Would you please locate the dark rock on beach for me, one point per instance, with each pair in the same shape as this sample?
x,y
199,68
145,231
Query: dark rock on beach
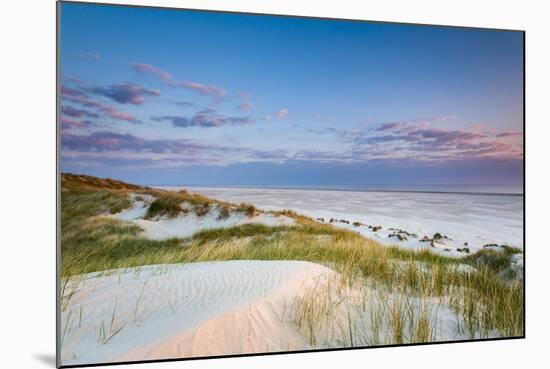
x,y
402,232
399,236
437,237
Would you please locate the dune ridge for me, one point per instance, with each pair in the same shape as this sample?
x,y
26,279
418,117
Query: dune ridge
x,y
188,223
190,310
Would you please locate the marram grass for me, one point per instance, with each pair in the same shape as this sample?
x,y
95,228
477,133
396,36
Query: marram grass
x,y
482,298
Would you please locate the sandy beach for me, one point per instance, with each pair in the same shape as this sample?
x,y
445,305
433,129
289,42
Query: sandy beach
x,y
474,219
202,272
185,310
219,308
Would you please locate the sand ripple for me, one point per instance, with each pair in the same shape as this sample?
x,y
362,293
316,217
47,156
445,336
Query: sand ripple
x,y
184,310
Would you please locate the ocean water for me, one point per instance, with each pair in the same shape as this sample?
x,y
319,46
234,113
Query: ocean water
x,y
482,189
472,215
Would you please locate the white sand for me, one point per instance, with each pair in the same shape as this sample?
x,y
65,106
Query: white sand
x,y
229,307
185,225
185,310
465,218
220,308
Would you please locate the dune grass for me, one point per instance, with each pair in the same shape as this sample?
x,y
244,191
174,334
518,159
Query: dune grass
x,y
248,209
169,204
498,260
225,212
165,205
485,302
81,181
336,314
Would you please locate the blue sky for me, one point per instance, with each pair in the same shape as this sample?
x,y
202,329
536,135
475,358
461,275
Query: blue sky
x,y
164,96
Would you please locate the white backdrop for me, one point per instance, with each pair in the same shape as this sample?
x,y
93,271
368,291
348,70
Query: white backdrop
x,y
27,211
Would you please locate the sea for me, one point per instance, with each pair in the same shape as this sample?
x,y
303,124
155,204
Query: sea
x,y
472,215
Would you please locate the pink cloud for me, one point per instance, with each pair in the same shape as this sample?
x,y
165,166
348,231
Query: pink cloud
x,y
79,97
204,118
510,134
124,93
151,69
166,77
282,114
77,113
203,89
421,141
246,106
70,123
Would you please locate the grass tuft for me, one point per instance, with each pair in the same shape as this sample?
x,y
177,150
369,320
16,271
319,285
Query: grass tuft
x,y
168,205
247,209
225,212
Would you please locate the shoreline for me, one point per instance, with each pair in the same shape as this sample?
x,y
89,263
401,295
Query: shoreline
x,y
469,221
196,275
172,187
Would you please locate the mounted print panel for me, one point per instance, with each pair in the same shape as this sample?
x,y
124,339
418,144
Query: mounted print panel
x,y
236,184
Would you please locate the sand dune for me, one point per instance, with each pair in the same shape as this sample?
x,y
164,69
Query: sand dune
x,y
185,310
231,307
236,307
186,225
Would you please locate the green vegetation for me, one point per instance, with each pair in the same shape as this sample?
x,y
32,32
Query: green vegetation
x,y
224,212
171,204
202,209
498,260
484,300
79,181
248,209
80,204
168,204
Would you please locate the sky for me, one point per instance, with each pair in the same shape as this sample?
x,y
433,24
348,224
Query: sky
x,y
159,96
